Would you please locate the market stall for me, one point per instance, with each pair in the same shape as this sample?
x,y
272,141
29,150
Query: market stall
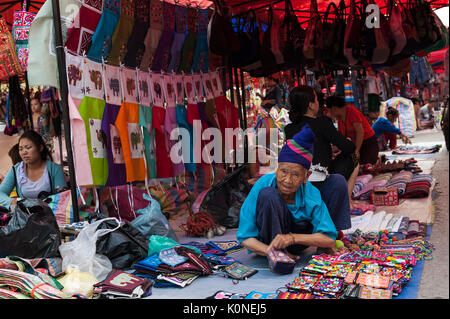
x,y
125,76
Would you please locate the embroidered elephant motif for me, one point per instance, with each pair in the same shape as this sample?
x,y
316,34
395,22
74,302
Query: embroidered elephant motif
x,y
117,145
115,86
169,90
143,87
188,88
74,74
131,86
209,86
158,91
135,140
96,78
216,86
101,136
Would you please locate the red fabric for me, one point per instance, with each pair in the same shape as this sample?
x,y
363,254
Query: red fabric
x,y
347,129
391,138
228,116
163,162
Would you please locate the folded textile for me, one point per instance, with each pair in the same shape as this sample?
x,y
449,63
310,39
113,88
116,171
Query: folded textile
x,y
122,284
226,246
170,257
418,188
417,149
364,193
385,176
360,182
205,249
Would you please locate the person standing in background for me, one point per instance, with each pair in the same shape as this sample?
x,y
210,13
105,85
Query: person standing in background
x,y
273,96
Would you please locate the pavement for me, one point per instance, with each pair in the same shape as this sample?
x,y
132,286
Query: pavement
x,y
434,283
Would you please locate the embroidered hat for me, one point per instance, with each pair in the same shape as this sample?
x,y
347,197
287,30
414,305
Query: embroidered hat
x,y
299,149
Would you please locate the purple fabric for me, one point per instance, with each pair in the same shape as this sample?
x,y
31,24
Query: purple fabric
x,y
118,173
170,123
203,116
305,139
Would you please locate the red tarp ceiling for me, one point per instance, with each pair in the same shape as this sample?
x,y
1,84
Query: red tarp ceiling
x,y
301,6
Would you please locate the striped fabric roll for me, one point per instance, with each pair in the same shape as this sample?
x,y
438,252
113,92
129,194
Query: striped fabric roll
x,y
419,186
348,90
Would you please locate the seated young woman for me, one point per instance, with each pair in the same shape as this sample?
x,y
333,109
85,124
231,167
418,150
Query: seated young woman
x,y
283,210
329,175
386,132
353,124
35,176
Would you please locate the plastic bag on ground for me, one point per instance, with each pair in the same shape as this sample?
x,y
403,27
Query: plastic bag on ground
x,y
151,221
81,252
32,231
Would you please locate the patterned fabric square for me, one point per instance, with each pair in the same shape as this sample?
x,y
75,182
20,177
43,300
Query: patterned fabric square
x,y
9,63
129,85
113,90
93,80
75,75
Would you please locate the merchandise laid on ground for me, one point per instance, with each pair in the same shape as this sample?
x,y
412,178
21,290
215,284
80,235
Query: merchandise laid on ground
x,y
135,185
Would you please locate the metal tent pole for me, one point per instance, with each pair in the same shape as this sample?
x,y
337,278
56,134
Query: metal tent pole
x,y
244,115
64,92
27,89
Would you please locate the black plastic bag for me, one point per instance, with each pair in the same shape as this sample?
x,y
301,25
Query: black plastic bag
x,y
225,199
124,247
32,231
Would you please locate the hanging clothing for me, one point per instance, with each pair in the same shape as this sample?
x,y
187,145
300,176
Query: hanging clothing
x,y
189,42
187,144
122,33
102,38
79,35
178,41
162,54
114,150
127,124
170,123
145,120
164,167
81,160
91,111
200,58
42,64
154,33
20,32
136,46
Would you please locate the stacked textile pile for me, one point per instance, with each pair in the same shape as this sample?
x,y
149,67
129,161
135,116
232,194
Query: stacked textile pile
x,y
419,186
400,181
180,265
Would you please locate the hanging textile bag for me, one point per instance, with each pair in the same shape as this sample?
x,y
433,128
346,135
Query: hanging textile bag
x,y
267,57
443,40
333,35
366,41
312,47
20,31
32,231
9,63
253,32
423,18
412,39
352,33
222,38
383,41
292,39
396,28
244,56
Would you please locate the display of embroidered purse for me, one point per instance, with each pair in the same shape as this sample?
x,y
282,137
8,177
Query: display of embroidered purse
x,y
171,258
239,272
374,293
280,262
261,295
304,282
384,196
372,280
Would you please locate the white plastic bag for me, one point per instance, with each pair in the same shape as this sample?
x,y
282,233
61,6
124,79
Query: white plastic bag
x,y
81,252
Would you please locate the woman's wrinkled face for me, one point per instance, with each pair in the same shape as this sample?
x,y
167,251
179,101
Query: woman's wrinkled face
x,y
290,177
28,151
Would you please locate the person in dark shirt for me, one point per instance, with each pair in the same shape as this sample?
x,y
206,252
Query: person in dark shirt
x,y
274,94
325,176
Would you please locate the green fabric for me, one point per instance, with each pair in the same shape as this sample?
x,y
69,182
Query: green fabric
x,y
158,243
42,65
188,53
120,39
145,119
91,110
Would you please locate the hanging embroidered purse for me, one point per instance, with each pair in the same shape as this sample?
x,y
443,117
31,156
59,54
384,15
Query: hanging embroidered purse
x,y
384,196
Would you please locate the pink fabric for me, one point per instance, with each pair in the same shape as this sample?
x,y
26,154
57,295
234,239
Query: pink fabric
x,y
81,160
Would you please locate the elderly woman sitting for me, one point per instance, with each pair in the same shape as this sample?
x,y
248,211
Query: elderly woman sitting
x,y
285,211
